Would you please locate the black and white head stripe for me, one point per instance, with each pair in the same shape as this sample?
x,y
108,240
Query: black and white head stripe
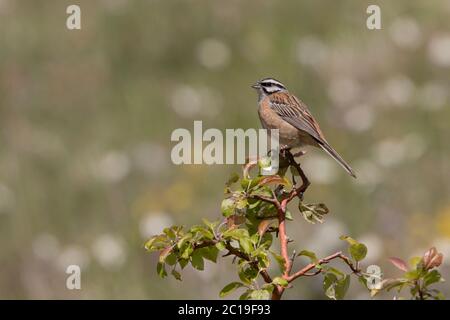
x,y
270,85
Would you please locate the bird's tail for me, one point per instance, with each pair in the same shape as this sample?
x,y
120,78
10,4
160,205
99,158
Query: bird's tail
x,y
328,149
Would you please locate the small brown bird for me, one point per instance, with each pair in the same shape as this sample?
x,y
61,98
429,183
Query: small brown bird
x,y
279,109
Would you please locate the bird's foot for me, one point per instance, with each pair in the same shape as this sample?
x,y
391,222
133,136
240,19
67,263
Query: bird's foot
x,y
299,154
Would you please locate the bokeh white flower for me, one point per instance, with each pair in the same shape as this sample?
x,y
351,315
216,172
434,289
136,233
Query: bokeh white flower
x,y
112,167
109,251
153,223
213,53
405,32
439,50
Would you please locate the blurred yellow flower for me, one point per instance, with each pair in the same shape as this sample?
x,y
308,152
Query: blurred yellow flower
x,y
443,221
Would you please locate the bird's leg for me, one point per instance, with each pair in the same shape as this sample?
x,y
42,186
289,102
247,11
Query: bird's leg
x,y
299,154
305,182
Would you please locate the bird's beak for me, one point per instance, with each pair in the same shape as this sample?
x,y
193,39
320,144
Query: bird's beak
x,y
256,86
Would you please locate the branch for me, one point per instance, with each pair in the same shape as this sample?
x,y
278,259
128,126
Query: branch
x,y
233,251
309,267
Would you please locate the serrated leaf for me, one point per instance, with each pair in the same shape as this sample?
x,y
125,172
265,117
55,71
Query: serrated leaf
x,y
183,262
229,288
197,260
171,259
210,253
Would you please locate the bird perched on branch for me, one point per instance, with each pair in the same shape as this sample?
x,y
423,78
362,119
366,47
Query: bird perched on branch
x,y
279,109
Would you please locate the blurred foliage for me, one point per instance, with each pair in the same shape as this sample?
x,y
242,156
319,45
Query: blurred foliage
x,y
86,118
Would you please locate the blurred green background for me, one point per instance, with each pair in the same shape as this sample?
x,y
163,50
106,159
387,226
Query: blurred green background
x,y
86,118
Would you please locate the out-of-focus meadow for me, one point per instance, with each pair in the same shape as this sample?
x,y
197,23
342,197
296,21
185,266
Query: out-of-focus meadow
x,y
86,118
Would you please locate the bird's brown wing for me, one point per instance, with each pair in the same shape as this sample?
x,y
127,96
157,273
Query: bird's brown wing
x,y
296,113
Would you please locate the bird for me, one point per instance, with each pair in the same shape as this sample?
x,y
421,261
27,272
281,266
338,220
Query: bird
x,y
280,109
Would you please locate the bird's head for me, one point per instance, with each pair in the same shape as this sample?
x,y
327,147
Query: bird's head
x,y
268,86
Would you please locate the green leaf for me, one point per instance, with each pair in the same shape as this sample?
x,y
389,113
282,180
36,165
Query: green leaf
x,y
210,225
161,270
184,239
279,259
197,260
350,240
358,251
183,262
342,286
210,253
236,234
201,230
157,243
313,212
246,244
246,295
334,287
241,203
186,251
245,183
432,277
311,255
176,274
229,288
414,261
260,295
247,274
228,206
280,281
220,246
171,259
288,215
170,232
412,275
232,179
329,283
